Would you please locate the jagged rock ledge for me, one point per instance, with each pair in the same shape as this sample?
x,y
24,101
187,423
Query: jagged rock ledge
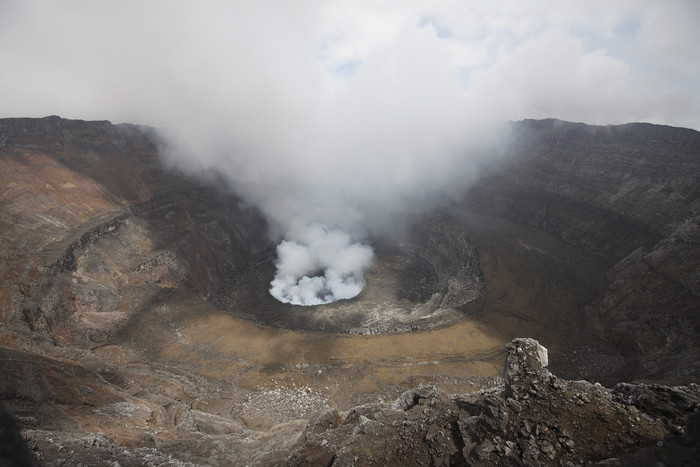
x,y
66,262
534,419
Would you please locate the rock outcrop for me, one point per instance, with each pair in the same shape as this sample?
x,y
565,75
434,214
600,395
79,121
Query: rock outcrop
x,y
534,419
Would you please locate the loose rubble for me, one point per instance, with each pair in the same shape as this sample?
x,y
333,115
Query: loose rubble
x,y
94,449
282,404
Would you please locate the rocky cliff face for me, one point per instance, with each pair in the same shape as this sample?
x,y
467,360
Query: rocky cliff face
x,y
628,195
90,216
136,322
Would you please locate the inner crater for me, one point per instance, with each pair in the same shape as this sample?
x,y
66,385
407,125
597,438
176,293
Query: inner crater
x,y
417,281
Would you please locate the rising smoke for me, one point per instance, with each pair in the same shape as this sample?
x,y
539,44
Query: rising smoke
x,y
322,266
329,159
338,119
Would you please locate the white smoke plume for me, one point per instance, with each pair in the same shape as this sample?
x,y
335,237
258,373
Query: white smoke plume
x,y
323,265
348,114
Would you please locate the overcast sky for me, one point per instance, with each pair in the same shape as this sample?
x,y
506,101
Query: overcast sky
x,y
347,100
143,61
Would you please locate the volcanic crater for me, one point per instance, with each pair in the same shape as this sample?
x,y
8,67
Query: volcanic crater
x,y
135,298
417,281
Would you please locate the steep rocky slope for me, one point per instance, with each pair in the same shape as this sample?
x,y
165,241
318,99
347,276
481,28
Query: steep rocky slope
x,y
136,320
630,196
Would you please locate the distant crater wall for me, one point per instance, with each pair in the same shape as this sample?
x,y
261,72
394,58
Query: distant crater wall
x,y
607,189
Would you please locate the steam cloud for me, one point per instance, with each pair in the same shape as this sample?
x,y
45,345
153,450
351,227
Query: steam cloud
x,y
322,267
346,114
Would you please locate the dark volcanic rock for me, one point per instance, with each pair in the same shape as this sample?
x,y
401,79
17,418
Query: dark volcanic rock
x,y
675,404
535,419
